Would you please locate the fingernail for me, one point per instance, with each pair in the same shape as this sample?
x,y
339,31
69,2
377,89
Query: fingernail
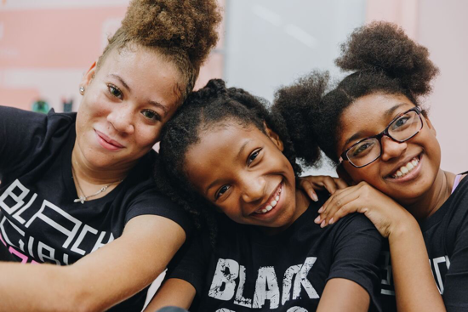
x,y
314,197
322,224
317,220
331,221
320,210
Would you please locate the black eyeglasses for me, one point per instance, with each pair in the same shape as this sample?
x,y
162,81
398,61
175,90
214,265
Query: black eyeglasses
x,y
400,129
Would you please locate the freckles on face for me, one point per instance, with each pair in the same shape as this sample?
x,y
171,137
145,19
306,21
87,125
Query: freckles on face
x,y
404,170
241,171
126,103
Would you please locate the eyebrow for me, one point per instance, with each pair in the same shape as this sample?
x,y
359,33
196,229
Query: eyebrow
x,y
154,103
121,81
387,114
241,150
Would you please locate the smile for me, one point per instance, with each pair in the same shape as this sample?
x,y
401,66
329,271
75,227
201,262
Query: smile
x,y
405,169
107,142
273,201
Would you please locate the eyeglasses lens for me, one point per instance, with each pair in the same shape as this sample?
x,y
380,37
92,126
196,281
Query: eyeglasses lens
x,y
400,130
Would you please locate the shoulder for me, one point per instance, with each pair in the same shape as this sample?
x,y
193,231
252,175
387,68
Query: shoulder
x,y
142,196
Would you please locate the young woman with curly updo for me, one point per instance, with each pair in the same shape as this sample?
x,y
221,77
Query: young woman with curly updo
x,y
77,193
373,127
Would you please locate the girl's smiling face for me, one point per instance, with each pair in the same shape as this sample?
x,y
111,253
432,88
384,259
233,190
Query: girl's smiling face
x,y
125,104
244,173
405,171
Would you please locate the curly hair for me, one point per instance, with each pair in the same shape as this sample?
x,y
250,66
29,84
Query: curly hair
x,y
206,109
384,60
182,31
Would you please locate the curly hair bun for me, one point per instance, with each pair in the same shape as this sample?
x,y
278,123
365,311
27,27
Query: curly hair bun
x,y
188,25
382,46
295,103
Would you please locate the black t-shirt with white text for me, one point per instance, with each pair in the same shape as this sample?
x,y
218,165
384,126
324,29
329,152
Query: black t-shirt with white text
x,y
446,237
249,270
39,220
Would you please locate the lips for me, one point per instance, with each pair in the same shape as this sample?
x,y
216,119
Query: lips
x,y
107,142
271,202
405,168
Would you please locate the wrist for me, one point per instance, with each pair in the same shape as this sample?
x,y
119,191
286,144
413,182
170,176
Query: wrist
x,y
404,226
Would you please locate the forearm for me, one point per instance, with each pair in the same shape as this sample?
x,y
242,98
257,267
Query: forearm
x,y
415,287
174,292
38,288
343,295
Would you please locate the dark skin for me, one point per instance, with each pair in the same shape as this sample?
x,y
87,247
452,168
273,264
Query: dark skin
x,y
404,185
248,173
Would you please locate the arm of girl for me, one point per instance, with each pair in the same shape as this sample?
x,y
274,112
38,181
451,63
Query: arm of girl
x,y
414,284
352,297
99,280
174,292
311,184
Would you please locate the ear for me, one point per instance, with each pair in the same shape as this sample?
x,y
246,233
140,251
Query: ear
x,y
274,137
430,125
88,76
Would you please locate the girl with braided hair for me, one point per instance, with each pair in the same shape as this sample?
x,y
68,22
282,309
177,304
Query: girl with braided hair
x,y
77,193
373,127
232,163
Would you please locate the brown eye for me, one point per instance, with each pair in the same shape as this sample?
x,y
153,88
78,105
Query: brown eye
x,y
114,91
148,113
253,156
223,189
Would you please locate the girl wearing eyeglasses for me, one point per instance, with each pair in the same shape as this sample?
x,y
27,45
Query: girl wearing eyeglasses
x,y
373,127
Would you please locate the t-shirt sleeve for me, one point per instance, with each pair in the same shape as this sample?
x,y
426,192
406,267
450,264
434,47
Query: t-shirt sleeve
x,y
21,133
150,202
456,279
357,245
190,263
455,284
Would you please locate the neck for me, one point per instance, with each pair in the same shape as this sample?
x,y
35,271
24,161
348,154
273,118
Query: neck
x,y
86,172
428,203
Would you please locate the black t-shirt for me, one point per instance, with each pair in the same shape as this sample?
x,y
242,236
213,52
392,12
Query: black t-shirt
x,y
446,236
39,220
249,270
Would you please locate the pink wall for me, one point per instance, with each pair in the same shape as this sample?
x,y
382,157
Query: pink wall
x,y
441,27
46,46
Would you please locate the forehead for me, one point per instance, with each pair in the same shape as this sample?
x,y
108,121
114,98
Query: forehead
x,y
147,73
369,115
219,153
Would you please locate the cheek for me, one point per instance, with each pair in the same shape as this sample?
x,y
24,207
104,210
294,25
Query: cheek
x,y
359,175
146,137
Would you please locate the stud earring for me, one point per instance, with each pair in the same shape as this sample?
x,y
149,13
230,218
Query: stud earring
x,y
82,89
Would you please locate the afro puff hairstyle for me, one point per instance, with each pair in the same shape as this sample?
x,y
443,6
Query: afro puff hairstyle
x,y
383,60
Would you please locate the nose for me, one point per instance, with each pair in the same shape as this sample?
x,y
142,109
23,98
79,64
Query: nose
x,y
391,148
121,118
253,189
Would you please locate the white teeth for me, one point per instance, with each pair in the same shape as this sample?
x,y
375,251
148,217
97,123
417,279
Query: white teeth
x,y
270,205
406,168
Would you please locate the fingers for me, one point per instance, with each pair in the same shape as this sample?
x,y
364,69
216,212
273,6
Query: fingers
x,y
309,189
336,202
341,184
310,184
